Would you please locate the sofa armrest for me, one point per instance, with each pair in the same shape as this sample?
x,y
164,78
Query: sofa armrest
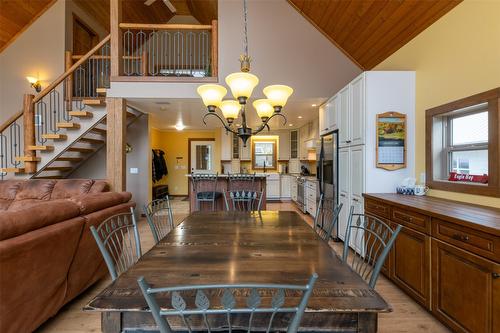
x,y
89,203
15,223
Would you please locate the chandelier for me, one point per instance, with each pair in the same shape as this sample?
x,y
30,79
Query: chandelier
x,y
242,84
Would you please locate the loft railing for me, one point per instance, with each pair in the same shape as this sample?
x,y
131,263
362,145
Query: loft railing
x,y
169,50
42,116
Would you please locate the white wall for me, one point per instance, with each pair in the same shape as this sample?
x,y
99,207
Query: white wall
x,y
284,46
140,157
38,50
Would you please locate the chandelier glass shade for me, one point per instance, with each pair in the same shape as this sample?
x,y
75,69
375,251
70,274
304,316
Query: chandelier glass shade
x,y
242,85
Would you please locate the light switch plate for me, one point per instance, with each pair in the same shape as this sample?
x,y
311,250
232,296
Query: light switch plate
x,y
134,171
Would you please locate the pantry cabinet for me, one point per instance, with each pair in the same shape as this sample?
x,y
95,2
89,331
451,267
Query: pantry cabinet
x,y
286,187
284,146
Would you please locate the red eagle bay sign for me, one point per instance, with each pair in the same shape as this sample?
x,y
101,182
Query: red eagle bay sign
x,y
461,177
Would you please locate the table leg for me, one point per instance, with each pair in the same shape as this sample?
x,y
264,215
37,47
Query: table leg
x,y
367,322
111,322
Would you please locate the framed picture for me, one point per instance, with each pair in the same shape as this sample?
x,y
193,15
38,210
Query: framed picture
x,y
391,141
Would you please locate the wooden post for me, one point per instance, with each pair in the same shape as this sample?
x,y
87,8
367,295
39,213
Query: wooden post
x,y
116,37
215,49
144,63
69,81
29,132
115,143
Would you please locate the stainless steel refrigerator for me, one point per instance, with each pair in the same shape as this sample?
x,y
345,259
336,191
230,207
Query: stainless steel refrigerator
x,y
327,167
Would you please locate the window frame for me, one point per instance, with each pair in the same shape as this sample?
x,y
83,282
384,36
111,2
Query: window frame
x,y
492,100
275,148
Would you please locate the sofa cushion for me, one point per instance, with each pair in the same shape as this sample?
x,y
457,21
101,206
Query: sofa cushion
x,y
67,188
99,186
9,188
4,204
92,202
36,189
24,204
14,223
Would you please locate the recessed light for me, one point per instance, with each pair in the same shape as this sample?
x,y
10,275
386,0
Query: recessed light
x,y
313,105
300,117
163,108
290,125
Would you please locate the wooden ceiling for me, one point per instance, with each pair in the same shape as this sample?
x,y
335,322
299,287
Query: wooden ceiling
x,y
16,15
369,31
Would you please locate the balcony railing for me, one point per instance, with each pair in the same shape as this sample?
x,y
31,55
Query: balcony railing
x,y
169,50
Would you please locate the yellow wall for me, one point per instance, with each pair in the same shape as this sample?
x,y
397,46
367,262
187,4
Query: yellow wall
x,y
175,144
456,57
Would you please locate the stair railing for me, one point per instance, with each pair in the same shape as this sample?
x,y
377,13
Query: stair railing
x,y
42,115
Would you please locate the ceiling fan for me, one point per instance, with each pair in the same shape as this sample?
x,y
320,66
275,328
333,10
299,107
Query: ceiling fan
x,y
167,3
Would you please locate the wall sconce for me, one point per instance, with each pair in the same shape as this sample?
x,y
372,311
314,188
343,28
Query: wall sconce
x,y
34,83
128,148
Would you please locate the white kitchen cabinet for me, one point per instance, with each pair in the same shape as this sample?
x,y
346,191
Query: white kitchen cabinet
x,y
310,197
293,188
225,151
284,146
246,152
357,167
273,187
314,130
322,116
286,187
294,144
303,137
344,192
344,115
357,111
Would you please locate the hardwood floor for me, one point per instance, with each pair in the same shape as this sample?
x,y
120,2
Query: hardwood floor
x,y
407,316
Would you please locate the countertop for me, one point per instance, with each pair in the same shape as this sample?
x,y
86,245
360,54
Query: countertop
x,y
483,218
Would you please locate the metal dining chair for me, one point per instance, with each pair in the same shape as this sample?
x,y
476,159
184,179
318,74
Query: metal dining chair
x,y
118,240
228,306
159,216
376,239
205,188
243,200
326,217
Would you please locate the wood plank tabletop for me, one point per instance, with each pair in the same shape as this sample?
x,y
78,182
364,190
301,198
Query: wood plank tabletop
x,y
241,247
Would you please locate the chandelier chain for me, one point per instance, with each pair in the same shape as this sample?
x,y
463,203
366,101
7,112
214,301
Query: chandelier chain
x,y
245,28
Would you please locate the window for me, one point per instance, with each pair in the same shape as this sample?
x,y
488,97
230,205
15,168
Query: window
x,y
264,154
462,145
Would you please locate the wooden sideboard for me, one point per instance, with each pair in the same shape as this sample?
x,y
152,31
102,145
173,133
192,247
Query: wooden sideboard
x,y
446,257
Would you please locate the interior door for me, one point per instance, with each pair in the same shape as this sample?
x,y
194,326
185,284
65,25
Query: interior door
x,y
202,157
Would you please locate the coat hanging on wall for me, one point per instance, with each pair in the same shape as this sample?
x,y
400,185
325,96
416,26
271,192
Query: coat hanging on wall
x,y
159,165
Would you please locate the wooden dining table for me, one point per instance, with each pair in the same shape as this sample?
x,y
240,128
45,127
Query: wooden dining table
x,y
242,247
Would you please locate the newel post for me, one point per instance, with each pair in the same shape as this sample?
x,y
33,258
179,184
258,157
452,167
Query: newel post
x,y
215,49
116,37
68,59
29,133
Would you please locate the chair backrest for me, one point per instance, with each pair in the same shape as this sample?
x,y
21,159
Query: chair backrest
x,y
228,306
326,217
376,239
241,181
243,200
160,219
118,240
204,182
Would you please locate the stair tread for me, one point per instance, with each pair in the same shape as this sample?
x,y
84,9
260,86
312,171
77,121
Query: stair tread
x,y
81,149
101,90
69,159
42,148
81,114
28,159
92,140
57,168
68,125
54,136
98,130
94,101
48,177
15,170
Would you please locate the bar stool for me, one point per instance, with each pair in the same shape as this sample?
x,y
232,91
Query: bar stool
x,y
205,188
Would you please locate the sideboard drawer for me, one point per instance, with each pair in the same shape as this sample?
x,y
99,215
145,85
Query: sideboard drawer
x,y
377,208
411,219
473,240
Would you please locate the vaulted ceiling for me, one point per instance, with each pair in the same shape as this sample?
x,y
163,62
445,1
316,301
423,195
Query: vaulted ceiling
x,y
16,15
369,31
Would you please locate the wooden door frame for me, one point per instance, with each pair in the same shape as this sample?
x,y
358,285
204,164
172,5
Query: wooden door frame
x,y
79,20
189,149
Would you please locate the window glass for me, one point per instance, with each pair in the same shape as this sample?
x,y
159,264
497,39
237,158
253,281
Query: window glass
x,y
470,129
474,162
264,155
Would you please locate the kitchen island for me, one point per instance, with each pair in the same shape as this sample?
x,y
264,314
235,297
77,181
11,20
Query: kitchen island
x,y
259,185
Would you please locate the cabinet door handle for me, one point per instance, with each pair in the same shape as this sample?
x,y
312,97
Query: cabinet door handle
x,y
354,199
348,141
459,237
342,195
495,275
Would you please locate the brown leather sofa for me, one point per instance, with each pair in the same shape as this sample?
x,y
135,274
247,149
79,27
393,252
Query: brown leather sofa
x,y
47,253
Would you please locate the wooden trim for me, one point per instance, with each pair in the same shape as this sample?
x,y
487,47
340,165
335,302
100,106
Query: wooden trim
x,y
11,119
19,33
215,49
115,143
189,149
275,159
29,132
492,97
54,84
147,26
327,36
165,79
78,20
116,37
